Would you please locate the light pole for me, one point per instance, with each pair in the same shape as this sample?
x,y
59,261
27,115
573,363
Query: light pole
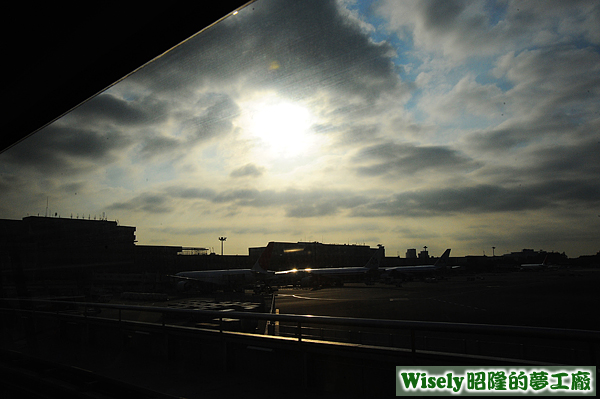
x,y
493,253
222,239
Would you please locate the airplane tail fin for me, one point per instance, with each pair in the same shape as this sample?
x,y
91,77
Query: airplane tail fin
x,y
262,264
443,260
375,262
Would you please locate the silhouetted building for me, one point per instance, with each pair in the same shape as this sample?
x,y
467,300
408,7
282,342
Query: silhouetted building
x,y
302,255
44,242
526,256
45,255
411,253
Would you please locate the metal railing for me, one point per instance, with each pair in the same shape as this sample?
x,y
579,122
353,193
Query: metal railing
x,y
300,323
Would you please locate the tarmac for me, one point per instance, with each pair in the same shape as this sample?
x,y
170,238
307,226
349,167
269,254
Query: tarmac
x,y
554,298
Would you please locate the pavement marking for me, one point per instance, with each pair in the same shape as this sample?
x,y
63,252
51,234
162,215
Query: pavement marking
x,y
307,297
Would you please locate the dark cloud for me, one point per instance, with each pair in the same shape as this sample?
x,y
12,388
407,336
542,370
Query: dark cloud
x,y
296,203
107,108
576,161
72,188
146,202
152,145
570,193
560,174
448,201
442,15
211,117
392,159
218,111
276,44
250,170
315,203
561,69
499,139
312,210
67,149
192,193
487,198
522,133
10,182
245,196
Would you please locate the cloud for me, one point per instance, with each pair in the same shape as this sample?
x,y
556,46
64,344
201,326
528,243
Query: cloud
x,y
145,202
482,116
240,196
482,198
312,210
186,98
11,182
249,169
73,188
392,160
463,29
214,120
467,99
108,108
575,161
191,193
555,79
296,203
317,203
310,40
210,117
59,148
565,172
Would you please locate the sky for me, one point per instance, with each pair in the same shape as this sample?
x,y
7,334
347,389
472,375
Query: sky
x,y
447,124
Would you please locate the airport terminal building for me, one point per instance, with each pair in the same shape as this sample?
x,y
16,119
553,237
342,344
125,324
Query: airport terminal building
x,y
53,241
300,255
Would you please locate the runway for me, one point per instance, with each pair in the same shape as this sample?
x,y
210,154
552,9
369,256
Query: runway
x,y
560,299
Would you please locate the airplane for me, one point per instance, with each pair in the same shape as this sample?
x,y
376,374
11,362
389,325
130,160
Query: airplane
x,y
407,272
535,266
335,276
231,279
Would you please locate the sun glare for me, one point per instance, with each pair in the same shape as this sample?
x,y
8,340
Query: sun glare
x,y
284,128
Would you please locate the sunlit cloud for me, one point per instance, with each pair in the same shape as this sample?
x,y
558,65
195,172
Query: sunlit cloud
x,y
455,123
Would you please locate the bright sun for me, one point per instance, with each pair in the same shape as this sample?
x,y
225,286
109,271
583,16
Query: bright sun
x,y
282,127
